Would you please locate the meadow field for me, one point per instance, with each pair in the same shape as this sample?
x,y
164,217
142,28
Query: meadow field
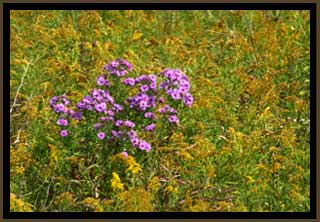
x,y
243,145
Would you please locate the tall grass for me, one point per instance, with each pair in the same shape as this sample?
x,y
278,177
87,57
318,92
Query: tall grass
x,y
243,146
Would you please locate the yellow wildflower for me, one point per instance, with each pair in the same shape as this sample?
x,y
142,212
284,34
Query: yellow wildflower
x,y
273,149
250,179
171,189
116,182
93,203
133,166
154,184
18,205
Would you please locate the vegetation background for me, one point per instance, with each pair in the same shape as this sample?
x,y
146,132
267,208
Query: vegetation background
x,y
244,145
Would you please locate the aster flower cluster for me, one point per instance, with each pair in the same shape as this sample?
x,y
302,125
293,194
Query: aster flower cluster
x,y
177,86
142,101
119,67
170,113
60,105
148,106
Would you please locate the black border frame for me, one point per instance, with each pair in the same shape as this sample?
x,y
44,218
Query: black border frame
x,y
161,6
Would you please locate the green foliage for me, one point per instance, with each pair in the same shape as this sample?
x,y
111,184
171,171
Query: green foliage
x,y
244,145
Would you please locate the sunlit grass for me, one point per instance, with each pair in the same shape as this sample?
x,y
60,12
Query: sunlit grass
x,y
243,146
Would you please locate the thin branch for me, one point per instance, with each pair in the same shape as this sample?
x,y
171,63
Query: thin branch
x,y
21,83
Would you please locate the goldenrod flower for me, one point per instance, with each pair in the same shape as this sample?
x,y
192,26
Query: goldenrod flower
x,y
116,182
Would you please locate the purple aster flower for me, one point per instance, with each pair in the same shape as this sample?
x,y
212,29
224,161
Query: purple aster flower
x,y
117,107
65,110
173,110
87,100
114,64
144,88
153,86
148,148
127,64
65,101
62,122
109,98
184,77
121,133
89,107
144,96
106,118
60,108
101,80
129,124
152,78
140,101
135,141
99,98
161,100
95,93
173,119
105,93
170,74
144,146
122,73
81,105
115,133
143,105
188,99
150,127
153,101
71,112
129,81
100,107
106,83
119,67
119,123
97,125
176,94
141,78
184,90
184,83
164,85
162,110
149,115
64,133
132,134
53,100
166,107
175,83
76,115
110,112
101,135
